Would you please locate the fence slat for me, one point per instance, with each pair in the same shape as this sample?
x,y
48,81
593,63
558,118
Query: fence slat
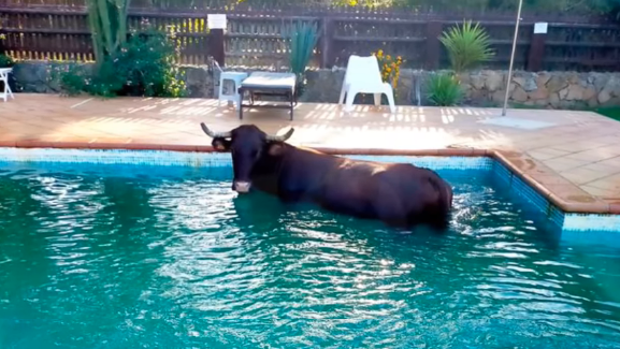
x,y
58,30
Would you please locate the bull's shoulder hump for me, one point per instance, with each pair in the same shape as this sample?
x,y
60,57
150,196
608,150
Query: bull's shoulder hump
x,y
309,153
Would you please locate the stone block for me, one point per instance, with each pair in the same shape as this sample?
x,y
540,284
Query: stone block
x,y
604,97
526,81
557,83
574,93
519,94
494,81
541,93
199,82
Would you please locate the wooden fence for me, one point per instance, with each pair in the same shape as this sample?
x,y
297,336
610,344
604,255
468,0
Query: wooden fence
x,y
35,29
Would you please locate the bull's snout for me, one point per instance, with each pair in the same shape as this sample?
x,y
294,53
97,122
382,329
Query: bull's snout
x,y
241,187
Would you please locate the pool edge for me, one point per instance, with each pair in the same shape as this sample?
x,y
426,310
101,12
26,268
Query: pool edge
x,y
587,205
509,159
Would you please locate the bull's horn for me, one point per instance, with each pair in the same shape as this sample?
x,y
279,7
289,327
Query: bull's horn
x,y
282,138
213,134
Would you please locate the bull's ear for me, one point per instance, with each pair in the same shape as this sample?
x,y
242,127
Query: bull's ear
x,y
221,144
276,149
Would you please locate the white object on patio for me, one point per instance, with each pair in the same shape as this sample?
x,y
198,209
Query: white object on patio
x,y
237,78
521,123
363,76
4,77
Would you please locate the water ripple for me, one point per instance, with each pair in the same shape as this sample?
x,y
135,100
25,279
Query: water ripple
x,y
165,259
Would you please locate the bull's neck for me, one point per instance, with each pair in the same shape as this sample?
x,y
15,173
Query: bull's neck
x,y
271,164
266,171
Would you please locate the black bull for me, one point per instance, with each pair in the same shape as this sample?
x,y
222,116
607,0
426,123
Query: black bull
x,y
401,195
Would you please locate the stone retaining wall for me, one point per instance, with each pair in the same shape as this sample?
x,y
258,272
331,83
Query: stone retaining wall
x,y
483,88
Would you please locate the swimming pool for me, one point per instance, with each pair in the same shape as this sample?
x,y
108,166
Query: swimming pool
x,y
126,256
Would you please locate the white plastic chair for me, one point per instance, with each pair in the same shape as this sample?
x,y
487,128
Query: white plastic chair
x,y
237,78
4,78
363,76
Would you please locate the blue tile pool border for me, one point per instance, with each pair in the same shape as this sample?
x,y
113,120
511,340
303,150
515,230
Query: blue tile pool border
x,y
499,172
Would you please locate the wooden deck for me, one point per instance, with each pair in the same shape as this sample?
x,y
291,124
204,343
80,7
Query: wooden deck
x,y
573,158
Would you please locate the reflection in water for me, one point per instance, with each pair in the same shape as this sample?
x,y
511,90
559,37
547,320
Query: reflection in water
x,y
161,257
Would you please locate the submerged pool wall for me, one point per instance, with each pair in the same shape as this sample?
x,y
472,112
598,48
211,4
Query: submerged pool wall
x,y
499,173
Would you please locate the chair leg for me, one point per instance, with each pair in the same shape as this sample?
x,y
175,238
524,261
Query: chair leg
x,y
221,90
5,94
4,82
240,101
350,98
390,97
377,99
343,91
10,92
292,101
236,94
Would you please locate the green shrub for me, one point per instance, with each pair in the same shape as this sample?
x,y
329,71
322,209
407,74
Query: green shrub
x,y
108,81
444,90
467,46
143,66
73,81
6,61
146,64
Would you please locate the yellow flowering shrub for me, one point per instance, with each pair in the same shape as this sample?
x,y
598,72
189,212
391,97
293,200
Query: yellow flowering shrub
x,y
389,66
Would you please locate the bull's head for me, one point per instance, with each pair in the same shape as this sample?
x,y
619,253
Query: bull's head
x,y
247,144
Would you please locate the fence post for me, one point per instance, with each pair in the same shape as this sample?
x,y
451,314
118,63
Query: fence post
x,y
433,48
327,43
537,47
216,46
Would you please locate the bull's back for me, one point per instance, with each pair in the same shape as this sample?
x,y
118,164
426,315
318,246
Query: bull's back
x,y
346,188
303,175
412,181
377,190
413,195
364,189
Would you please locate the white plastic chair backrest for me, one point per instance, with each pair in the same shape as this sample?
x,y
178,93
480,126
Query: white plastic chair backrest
x,y
4,73
363,71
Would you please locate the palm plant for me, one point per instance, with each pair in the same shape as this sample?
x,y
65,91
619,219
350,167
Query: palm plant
x,y
467,46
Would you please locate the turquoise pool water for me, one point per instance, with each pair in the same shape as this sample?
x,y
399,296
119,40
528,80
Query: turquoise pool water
x,y
154,257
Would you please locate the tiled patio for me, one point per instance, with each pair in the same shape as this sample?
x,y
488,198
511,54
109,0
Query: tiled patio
x,y
571,157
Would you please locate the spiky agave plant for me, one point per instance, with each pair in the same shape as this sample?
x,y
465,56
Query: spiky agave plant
x,y
303,38
467,46
444,90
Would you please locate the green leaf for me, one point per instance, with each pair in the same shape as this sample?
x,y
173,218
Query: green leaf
x,y
444,90
303,39
467,46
